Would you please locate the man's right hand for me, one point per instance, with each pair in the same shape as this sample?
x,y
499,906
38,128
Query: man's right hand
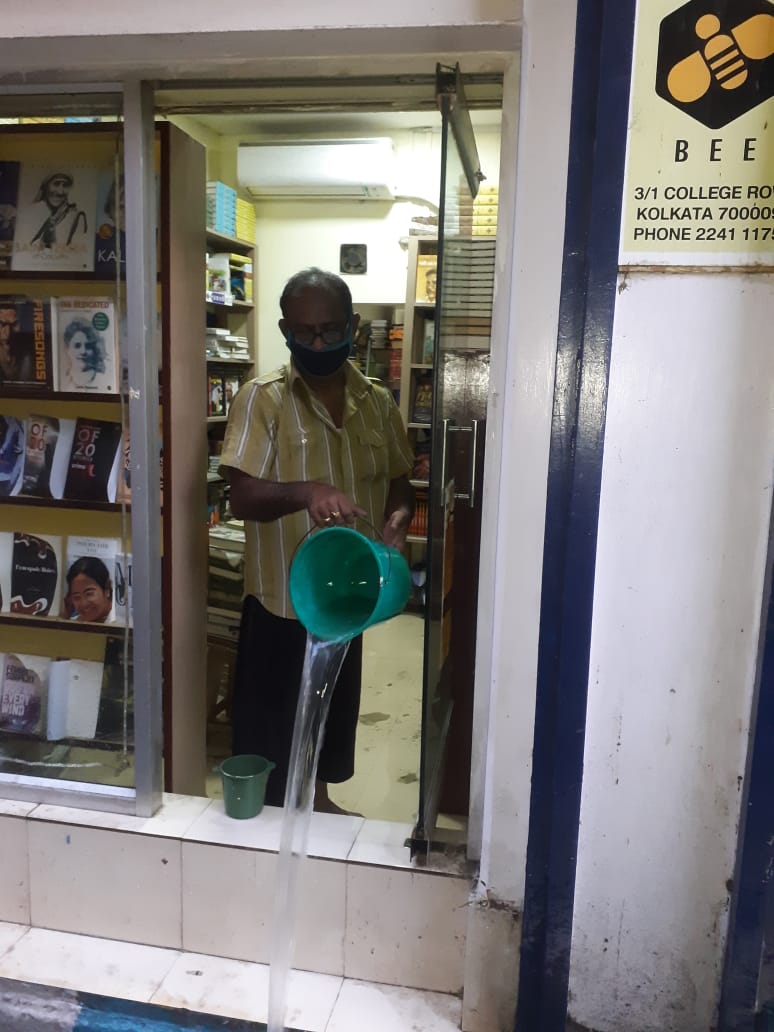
x,y
329,507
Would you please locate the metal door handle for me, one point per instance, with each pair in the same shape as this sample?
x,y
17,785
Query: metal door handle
x,y
469,496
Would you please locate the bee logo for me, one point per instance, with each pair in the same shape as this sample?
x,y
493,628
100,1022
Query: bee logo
x,y
715,58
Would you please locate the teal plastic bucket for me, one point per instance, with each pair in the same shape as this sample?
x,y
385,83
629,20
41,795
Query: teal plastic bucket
x,y
341,582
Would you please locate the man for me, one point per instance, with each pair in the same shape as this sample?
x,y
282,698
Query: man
x,y
312,445
15,352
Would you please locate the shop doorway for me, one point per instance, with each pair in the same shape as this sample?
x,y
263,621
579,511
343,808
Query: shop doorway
x,y
394,716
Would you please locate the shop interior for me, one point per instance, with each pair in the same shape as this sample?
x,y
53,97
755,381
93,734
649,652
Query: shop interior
x,y
377,226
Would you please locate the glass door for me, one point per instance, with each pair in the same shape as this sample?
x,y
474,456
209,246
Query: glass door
x,y
460,179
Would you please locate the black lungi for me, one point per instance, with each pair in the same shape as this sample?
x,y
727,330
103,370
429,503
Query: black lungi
x,y
267,678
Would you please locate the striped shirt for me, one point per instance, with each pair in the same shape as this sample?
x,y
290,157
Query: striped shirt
x,y
279,430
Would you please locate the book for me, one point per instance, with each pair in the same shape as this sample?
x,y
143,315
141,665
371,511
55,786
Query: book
x,y
215,396
87,345
231,385
422,410
74,692
124,470
9,197
6,563
46,449
122,579
55,218
109,236
26,343
11,455
426,279
95,456
23,684
89,588
35,575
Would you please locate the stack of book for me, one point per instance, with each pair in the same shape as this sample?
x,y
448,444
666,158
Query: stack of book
x,y
226,580
221,208
419,523
468,290
245,219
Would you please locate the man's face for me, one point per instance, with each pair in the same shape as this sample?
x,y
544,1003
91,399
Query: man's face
x,y
9,324
312,314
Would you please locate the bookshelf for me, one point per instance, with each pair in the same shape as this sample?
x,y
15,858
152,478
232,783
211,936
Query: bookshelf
x,y
182,549
416,386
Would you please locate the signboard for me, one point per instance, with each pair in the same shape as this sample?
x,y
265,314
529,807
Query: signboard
x,y
699,182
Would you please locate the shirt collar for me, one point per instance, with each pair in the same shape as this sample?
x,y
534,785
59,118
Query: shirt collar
x,y
356,385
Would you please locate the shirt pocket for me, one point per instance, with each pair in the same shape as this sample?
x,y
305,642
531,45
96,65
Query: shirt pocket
x,y
372,454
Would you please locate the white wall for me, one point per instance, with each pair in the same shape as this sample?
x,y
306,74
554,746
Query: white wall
x,y
686,493
293,234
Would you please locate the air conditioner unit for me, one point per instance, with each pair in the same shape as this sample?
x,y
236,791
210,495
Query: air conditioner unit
x,y
329,168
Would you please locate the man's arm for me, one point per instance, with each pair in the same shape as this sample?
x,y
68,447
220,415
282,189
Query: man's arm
x,y
266,500
398,512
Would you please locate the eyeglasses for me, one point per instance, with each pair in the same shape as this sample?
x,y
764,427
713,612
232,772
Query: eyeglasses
x,y
329,335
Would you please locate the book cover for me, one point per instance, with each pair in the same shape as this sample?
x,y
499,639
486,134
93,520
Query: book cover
x,y
427,265
88,592
215,395
11,455
422,411
47,445
23,684
55,218
124,479
35,575
87,345
74,692
9,198
95,456
122,578
109,237
231,385
26,343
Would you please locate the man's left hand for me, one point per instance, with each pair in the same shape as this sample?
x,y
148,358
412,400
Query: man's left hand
x,y
396,528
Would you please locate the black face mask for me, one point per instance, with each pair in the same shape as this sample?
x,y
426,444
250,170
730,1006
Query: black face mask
x,y
319,363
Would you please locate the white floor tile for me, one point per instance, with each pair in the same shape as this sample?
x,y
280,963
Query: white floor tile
x,y
237,989
101,966
382,843
177,814
10,935
384,1008
331,836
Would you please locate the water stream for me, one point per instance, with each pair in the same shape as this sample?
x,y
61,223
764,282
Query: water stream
x,y
322,662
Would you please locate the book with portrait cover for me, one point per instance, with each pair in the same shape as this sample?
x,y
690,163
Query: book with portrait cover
x,y
23,689
46,452
36,577
74,692
92,470
55,218
87,345
88,590
27,358
11,455
9,196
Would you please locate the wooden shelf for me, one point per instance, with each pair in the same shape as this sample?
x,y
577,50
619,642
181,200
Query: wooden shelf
x,y
421,365
64,503
420,483
217,419
416,539
228,243
80,397
419,426
53,623
229,361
